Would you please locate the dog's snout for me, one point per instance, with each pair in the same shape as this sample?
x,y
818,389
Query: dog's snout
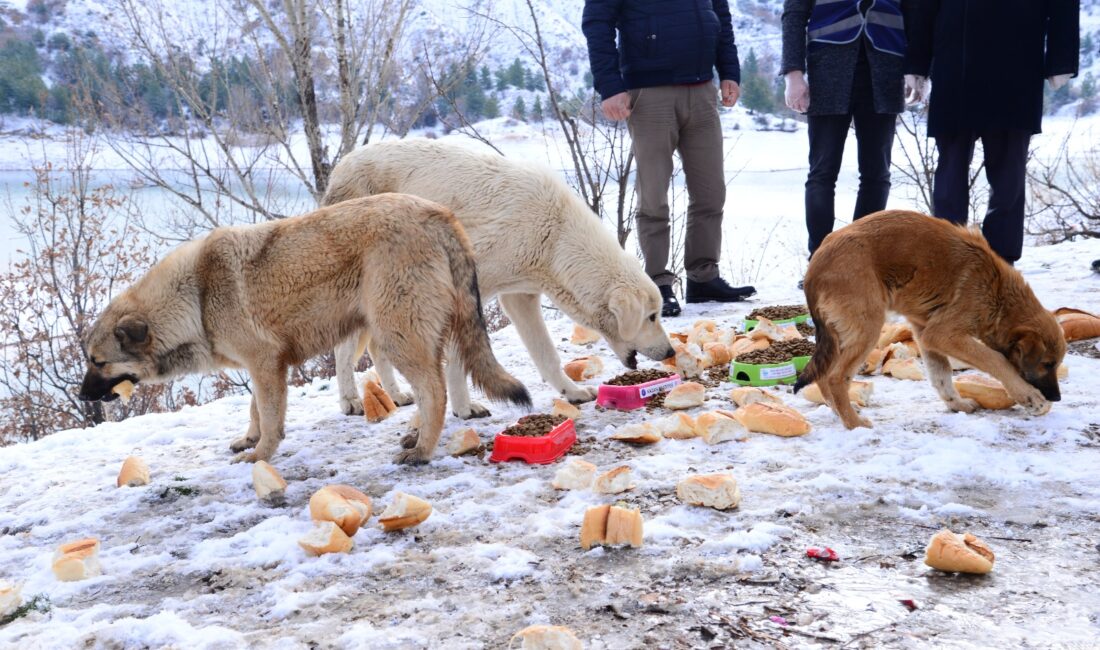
x,y
94,387
1052,393
661,353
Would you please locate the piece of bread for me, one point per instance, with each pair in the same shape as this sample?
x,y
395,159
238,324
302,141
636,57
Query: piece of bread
x,y
715,427
679,426
10,598
405,511
703,336
704,325
566,410
326,537
611,525
873,362
903,369
377,405
959,365
716,354
267,482
124,389
577,474
894,333
859,392
986,391
547,637
343,505
77,560
766,329
464,441
617,480
1062,372
639,433
717,491
134,472
687,395
583,336
677,337
583,368
746,344
687,360
901,350
962,553
1077,324
749,394
772,418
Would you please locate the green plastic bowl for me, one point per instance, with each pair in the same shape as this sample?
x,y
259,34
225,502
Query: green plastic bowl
x,y
767,374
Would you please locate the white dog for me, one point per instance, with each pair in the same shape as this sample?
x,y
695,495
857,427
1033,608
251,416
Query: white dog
x,y
531,236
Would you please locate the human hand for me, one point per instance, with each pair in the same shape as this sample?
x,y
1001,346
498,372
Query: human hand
x,y
797,93
731,92
1058,80
617,107
915,88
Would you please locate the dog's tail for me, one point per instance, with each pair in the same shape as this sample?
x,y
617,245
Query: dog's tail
x,y
468,327
824,352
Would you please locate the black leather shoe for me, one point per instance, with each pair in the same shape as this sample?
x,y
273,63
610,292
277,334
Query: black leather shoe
x,y
800,287
669,306
1096,266
716,290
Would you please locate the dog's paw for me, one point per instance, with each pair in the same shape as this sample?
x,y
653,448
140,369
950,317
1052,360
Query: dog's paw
x,y
409,440
242,443
474,410
961,404
857,422
580,394
401,398
1033,401
351,406
246,457
412,457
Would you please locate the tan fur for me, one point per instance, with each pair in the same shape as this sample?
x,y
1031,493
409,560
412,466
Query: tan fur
x,y
532,236
268,296
961,300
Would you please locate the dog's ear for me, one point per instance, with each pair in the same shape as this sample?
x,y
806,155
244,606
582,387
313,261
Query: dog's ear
x,y
628,307
131,331
1024,343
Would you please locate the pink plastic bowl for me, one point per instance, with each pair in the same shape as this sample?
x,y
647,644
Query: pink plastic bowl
x,y
535,450
627,398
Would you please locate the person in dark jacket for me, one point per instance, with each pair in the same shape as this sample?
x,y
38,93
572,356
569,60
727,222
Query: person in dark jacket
x,y
988,60
659,77
853,52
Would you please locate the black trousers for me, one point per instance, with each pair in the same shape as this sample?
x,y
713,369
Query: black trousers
x,y
874,140
1006,171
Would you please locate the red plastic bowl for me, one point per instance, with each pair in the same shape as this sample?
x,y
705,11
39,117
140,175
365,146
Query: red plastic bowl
x,y
535,450
627,398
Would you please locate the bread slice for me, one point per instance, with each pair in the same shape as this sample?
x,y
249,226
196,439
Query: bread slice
x,y
547,637
859,392
594,526
377,404
10,598
405,511
894,333
687,360
962,553
267,482
577,474
717,491
903,369
715,354
745,344
583,336
583,368
124,389
687,395
873,362
326,537
715,427
679,426
343,505
464,441
624,526
745,395
566,410
772,418
986,391
77,560
617,480
639,433
134,472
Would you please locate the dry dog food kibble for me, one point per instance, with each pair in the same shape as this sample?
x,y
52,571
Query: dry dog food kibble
x,y
531,426
805,329
778,352
778,312
637,377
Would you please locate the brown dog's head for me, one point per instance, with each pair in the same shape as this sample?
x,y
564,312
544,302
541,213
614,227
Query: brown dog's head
x,y
1036,350
118,350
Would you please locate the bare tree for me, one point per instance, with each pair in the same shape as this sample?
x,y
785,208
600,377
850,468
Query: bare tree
x,y
916,167
1065,193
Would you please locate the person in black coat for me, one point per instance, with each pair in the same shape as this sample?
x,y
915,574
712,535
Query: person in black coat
x,y
987,60
853,53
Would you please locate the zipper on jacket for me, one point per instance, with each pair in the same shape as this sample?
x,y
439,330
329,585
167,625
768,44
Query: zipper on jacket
x,y
702,54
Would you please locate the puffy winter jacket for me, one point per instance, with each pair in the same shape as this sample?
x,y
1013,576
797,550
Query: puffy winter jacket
x,y
660,43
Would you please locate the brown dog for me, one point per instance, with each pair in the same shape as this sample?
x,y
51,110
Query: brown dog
x,y
961,299
271,295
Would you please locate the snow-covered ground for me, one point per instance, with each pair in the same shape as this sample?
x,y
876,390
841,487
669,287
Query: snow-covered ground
x,y
194,560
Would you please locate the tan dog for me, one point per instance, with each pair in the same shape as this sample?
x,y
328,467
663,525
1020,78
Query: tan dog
x,y
268,296
961,299
532,236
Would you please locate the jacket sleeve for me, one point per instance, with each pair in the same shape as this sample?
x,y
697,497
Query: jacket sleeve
x,y
729,67
920,30
598,24
796,16
1063,37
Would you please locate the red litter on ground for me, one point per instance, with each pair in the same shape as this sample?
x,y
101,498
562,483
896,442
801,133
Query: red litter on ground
x,y
535,450
822,554
909,603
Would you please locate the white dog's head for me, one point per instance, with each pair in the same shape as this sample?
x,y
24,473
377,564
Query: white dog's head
x,y
633,324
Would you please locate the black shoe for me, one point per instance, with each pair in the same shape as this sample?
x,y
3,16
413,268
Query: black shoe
x,y
800,287
669,306
716,290
1096,265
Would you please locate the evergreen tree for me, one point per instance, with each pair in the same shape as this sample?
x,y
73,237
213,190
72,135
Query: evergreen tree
x,y
515,74
519,109
756,92
492,108
486,78
21,86
536,110
502,79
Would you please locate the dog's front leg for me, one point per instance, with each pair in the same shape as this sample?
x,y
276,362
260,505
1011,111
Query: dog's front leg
x,y
939,374
461,405
523,310
269,385
384,369
350,403
249,440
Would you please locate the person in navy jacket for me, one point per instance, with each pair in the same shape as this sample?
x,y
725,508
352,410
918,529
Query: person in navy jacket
x,y
653,64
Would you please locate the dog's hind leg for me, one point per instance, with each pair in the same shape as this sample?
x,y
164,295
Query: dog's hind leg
x,y
426,378
270,389
523,310
461,404
939,374
249,440
384,369
854,343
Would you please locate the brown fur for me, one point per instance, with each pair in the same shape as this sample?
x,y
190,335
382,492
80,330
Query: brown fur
x,y
961,299
268,296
